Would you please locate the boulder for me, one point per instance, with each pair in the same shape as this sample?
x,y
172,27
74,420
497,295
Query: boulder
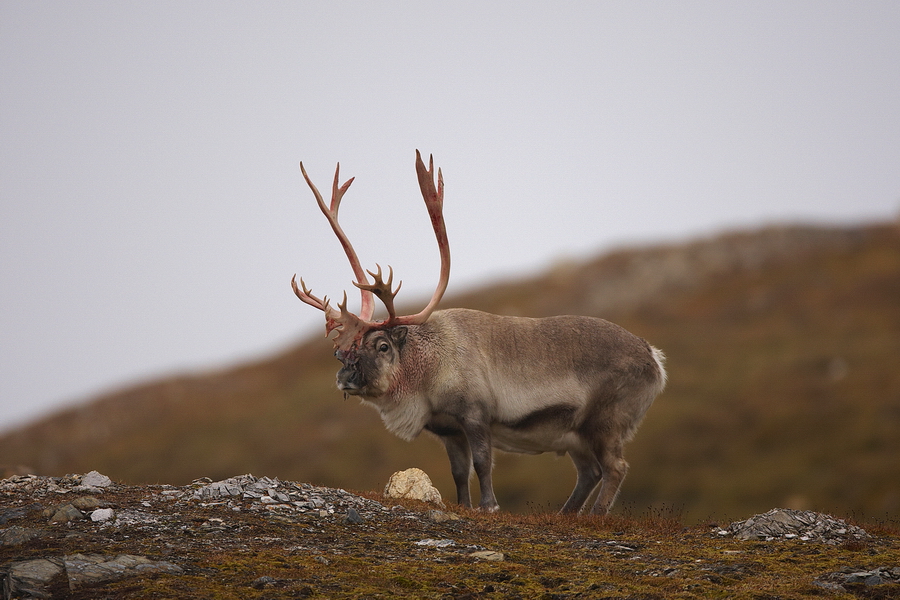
x,y
413,484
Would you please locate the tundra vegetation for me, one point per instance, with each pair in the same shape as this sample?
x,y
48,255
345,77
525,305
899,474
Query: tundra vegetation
x,y
261,538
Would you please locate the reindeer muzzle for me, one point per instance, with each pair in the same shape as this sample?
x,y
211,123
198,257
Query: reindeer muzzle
x,y
349,377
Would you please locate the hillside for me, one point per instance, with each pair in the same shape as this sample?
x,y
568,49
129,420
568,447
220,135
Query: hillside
x,y
783,348
86,538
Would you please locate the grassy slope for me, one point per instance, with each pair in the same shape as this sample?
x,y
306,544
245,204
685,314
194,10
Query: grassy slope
x,y
783,349
787,392
305,554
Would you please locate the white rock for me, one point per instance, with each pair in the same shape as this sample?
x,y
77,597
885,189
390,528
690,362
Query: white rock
x,y
436,543
102,514
414,484
95,479
488,555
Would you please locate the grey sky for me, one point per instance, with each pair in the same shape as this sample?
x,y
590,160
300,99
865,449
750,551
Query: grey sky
x,y
152,212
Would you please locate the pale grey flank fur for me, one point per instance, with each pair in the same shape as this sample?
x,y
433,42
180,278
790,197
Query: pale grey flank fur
x,y
567,384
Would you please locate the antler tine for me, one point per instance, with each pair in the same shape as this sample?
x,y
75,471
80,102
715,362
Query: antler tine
x,y
350,328
367,308
434,202
383,290
338,192
306,296
315,190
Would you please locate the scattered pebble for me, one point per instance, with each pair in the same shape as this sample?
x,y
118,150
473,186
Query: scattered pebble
x,y
353,517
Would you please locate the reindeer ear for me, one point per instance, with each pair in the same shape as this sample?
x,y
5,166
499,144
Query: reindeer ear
x,y
398,334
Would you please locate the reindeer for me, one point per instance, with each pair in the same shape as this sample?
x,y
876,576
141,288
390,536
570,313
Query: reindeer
x,y
565,384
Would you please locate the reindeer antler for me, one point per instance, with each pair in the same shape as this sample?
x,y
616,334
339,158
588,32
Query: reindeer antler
x,y
351,327
434,202
382,289
307,297
331,213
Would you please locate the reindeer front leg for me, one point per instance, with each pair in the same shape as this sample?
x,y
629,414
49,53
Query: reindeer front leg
x,y
479,434
457,446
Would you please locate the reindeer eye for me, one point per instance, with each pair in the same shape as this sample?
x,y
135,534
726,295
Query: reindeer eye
x,y
383,347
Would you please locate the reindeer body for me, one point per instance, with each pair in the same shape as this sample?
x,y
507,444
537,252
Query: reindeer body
x,y
567,384
571,385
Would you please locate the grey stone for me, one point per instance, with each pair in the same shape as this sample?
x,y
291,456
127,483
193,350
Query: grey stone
x,y
17,513
787,518
31,578
12,536
877,576
353,517
439,516
261,582
85,503
90,569
830,586
66,513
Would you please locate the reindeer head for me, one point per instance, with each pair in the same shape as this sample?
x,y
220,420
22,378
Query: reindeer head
x,y
352,328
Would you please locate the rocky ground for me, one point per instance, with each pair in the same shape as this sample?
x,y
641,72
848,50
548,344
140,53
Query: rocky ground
x,y
247,537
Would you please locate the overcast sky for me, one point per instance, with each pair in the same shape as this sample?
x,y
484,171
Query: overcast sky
x,y
152,211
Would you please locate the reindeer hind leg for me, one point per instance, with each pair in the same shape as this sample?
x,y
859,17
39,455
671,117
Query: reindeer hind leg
x,y
614,468
588,469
